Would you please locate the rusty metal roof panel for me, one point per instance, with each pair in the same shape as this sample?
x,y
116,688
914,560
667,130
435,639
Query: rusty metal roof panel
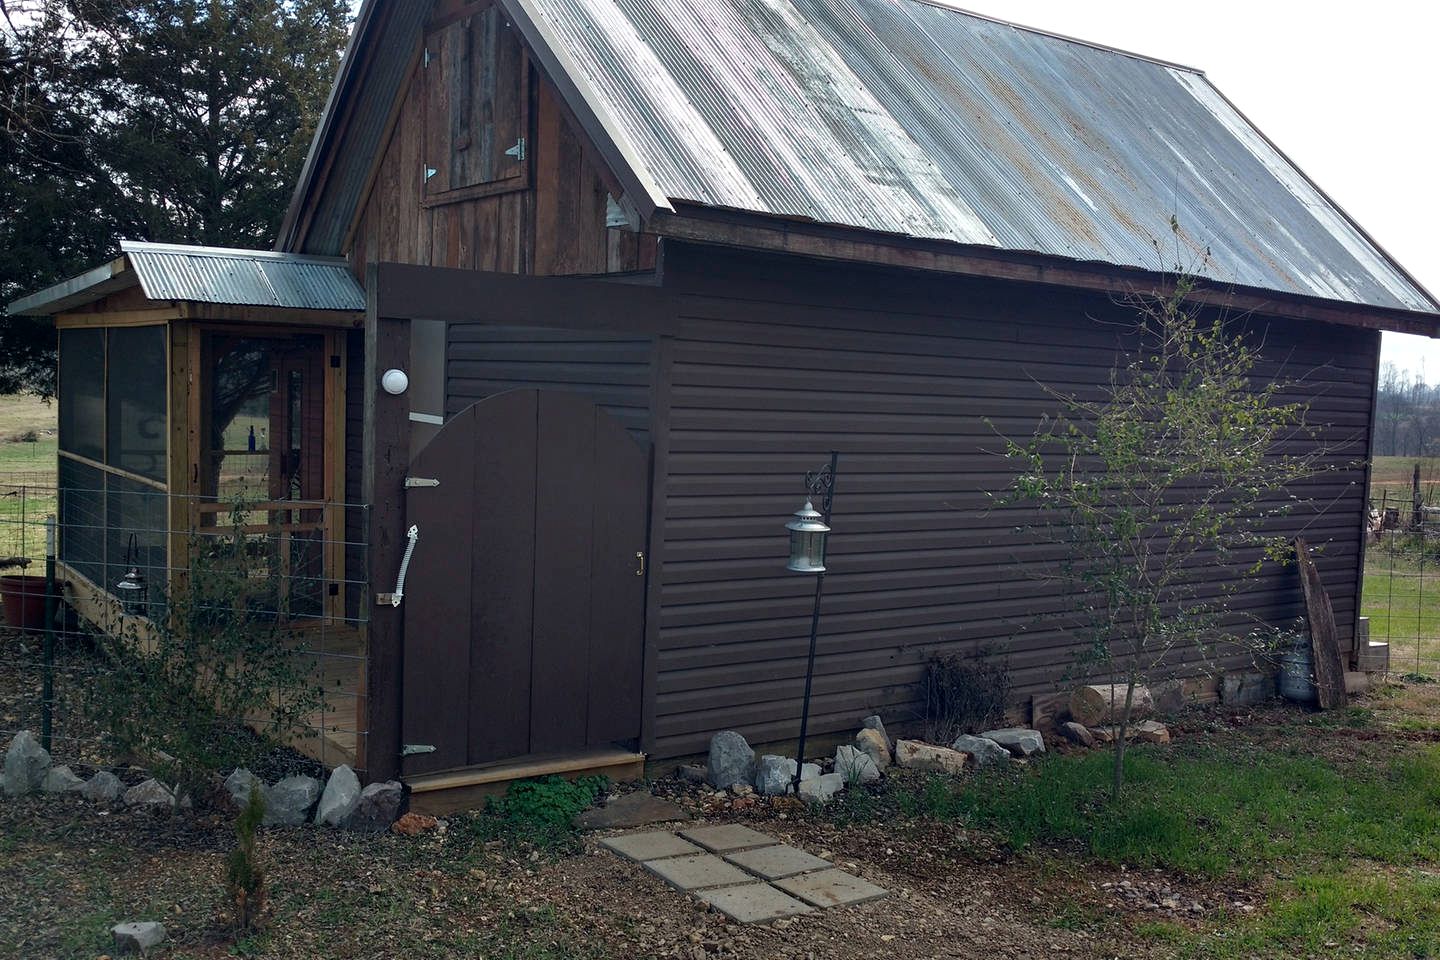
x,y
243,277
906,117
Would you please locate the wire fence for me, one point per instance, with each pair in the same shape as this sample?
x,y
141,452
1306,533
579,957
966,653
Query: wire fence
x,y
1401,594
141,576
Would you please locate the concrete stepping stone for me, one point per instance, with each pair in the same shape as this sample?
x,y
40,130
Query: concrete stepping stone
x,y
728,837
753,903
653,845
697,872
830,888
772,863
632,810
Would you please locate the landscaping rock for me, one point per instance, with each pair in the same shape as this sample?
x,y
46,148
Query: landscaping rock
x,y
1018,740
341,797
151,793
853,766
632,810
288,802
26,763
914,755
731,760
61,779
691,772
1246,689
1077,734
823,787
1150,731
239,785
872,743
984,752
774,775
1169,697
414,824
137,937
874,722
1104,734
104,787
378,807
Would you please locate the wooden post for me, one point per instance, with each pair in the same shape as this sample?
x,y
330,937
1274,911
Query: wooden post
x,y
386,459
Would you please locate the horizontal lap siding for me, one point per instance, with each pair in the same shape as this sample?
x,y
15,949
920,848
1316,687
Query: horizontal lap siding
x,y
761,389
612,371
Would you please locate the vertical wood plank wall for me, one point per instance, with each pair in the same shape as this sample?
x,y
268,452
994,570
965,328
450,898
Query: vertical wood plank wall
x,y
776,362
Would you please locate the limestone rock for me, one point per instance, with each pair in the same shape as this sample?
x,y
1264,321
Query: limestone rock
x,y
1104,734
823,787
854,766
914,755
61,779
1246,689
1077,734
774,775
288,802
873,722
137,937
26,763
151,793
341,796
379,806
1018,740
1150,731
984,752
104,787
1169,697
731,760
239,785
872,743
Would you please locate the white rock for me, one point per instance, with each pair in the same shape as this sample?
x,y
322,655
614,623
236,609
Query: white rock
x,y
151,793
26,763
240,784
341,797
854,766
1018,740
983,751
872,743
288,802
61,779
914,755
137,937
873,722
823,787
774,775
730,761
104,787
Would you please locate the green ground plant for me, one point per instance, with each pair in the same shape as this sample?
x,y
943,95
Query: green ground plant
x,y
244,875
535,813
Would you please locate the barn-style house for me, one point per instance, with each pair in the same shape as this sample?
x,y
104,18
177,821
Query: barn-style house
x,y
642,264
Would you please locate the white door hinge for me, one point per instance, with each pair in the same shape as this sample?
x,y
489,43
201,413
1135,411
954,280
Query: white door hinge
x,y
518,151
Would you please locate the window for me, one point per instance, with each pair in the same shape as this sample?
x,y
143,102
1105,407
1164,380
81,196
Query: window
x,y
476,108
82,393
135,401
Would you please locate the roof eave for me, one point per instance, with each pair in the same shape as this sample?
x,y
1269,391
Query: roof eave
x,y
77,291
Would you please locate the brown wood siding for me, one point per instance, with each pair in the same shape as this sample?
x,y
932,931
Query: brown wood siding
x,y
354,472
776,362
611,370
552,224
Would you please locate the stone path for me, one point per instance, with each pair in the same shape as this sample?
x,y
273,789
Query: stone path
x,y
745,874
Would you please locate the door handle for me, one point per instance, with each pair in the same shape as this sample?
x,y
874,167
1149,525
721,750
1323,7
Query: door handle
x,y
639,563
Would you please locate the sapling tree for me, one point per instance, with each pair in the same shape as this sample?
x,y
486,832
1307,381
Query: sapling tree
x,y
1161,486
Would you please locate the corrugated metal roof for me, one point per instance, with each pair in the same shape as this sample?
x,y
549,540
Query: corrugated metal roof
x,y
904,117
258,278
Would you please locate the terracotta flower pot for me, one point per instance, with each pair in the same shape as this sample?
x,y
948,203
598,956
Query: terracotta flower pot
x,y
24,599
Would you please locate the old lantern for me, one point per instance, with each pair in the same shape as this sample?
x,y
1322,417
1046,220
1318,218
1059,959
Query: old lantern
x,y
132,591
808,533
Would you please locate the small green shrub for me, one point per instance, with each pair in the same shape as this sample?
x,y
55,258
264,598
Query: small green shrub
x,y
537,813
244,877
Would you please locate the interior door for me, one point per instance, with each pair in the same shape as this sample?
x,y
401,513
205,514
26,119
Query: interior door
x,y
525,597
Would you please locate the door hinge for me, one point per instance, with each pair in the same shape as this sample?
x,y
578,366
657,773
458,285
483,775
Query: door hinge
x,y
411,749
412,482
427,59
517,151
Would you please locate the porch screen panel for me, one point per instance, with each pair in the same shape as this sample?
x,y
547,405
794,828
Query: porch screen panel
x,y
135,403
82,393
82,519
138,511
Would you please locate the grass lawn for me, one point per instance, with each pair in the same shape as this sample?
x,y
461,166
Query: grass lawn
x,y
27,459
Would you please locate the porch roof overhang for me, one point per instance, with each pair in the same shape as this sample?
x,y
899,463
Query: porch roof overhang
x,y
220,279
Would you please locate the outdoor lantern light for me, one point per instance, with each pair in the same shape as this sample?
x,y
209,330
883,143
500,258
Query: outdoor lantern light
x,y
807,540
133,592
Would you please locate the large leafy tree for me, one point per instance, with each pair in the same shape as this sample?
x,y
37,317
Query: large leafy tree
x,y
174,120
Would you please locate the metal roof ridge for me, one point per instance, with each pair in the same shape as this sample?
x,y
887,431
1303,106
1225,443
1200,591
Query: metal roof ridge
x,y
1040,31
231,253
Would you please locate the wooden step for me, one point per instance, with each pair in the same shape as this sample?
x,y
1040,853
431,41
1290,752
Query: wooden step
x,y
468,787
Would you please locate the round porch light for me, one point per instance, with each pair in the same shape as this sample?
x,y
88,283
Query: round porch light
x,y
394,381
808,533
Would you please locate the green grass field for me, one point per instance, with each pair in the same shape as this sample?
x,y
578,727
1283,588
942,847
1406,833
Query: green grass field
x,y
27,474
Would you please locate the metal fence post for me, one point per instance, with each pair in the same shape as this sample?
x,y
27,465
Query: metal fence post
x,y
47,694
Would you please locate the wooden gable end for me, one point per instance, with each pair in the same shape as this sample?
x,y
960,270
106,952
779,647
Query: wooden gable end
x,y
485,169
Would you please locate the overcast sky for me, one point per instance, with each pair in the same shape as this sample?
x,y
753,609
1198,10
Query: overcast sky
x,y
1348,91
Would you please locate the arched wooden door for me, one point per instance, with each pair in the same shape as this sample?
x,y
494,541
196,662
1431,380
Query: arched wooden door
x,y
525,597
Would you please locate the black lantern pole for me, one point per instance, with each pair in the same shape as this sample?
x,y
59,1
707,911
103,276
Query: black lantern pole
x,y
808,541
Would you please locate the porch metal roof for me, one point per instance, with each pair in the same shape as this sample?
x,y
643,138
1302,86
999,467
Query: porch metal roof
x,y
165,271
